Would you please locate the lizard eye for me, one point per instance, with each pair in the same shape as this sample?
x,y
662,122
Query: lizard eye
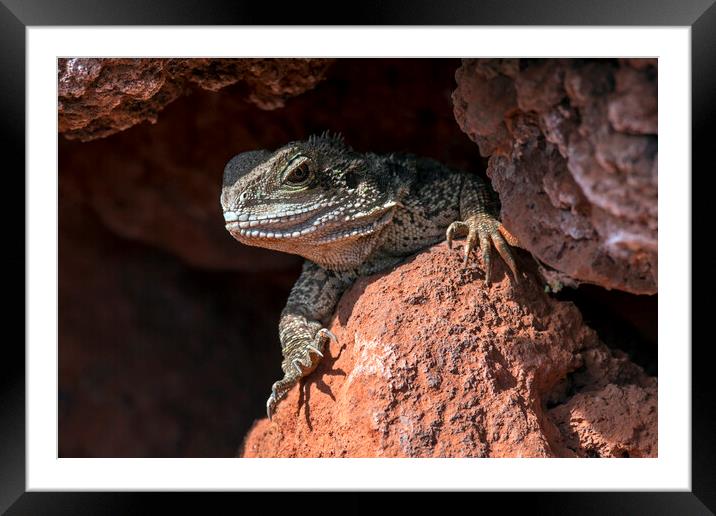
x,y
299,175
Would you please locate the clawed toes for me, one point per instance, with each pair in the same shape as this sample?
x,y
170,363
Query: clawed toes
x,y
488,231
278,391
298,362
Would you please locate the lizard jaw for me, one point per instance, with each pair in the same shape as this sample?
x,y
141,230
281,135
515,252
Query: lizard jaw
x,y
246,219
316,227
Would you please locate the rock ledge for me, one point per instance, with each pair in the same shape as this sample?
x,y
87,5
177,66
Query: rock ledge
x,y
432,363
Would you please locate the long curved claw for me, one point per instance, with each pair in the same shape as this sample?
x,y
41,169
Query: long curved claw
x,y
511,239
314,350
506,254
270,406
297,366
272,401
470,243
486,256
457,227
324,332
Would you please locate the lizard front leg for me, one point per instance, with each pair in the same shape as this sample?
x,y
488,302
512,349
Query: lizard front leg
x,y
479,223
301,328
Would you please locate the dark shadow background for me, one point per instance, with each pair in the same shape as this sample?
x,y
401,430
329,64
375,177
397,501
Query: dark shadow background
x,y
168,339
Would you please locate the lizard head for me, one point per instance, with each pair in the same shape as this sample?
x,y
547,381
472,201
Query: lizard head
x,y
317,198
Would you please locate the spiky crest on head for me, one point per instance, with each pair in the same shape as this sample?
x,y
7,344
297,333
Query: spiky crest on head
x,y
329,137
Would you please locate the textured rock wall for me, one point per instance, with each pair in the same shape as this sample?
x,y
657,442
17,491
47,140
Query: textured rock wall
x,y
573,155
99,97
430,362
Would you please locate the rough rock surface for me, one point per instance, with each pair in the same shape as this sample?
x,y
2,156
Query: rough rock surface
x,y
573,155
99,97
432,363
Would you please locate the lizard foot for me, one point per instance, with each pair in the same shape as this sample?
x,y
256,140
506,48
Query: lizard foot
x,y
299,362
487,230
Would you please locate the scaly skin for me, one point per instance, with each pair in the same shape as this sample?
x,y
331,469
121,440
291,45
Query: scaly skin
x,y
349,214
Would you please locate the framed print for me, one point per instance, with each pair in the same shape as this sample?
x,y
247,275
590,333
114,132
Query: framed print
x,y
405,251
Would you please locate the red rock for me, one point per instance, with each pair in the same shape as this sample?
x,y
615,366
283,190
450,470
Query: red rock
x,y
616,421
573,156
99,97
432,363
539,88
484,105
633,107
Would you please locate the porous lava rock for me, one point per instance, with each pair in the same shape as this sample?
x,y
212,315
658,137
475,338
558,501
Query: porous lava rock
x,y
572,148
431,362
99,97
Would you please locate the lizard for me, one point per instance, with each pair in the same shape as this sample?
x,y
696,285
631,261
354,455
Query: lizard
x,y
349,214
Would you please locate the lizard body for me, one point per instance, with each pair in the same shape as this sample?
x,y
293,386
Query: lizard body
x,y
349,214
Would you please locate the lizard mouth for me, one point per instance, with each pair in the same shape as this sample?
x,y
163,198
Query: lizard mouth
x,y
271,225
327,224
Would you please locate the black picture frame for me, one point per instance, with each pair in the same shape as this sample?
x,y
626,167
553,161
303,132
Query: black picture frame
x,y
17,15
